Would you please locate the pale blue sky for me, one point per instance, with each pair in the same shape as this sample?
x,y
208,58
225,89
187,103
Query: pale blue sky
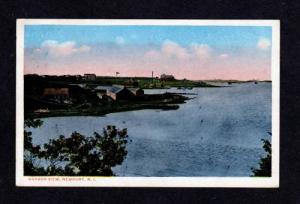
x,y
215,36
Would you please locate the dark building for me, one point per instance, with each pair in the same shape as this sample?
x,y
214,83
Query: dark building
x,y
56,93
101,91
90,77
119,93
166,77
78,77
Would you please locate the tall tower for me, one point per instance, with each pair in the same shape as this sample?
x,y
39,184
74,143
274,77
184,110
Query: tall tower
x,y
152,77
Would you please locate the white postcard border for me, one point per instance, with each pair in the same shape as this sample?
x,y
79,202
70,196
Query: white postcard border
x,y
272,182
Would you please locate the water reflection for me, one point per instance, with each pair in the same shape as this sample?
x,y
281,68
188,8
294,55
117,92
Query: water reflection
x,y
217,133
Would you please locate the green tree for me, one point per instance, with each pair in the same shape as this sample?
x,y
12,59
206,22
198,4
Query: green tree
x,y
265,163
77,155
31,152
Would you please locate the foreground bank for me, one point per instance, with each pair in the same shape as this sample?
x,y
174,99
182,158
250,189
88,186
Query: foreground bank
x,y
166,101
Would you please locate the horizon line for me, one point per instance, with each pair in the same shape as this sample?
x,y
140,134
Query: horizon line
x,y
149,77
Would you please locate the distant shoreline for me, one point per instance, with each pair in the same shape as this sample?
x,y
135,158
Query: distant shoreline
x,y
83,92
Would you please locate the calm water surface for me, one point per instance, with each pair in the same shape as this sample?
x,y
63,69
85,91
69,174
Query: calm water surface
x,y
216,133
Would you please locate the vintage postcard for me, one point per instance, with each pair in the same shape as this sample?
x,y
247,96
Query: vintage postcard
x,y
147,103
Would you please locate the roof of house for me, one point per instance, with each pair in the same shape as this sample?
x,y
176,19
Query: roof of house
x,y
56,91
102,87
115,89
80,85
118,85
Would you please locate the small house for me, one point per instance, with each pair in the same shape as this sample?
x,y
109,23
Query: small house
x,y
101,91
166,77
56,93
137,91
119,93
90,77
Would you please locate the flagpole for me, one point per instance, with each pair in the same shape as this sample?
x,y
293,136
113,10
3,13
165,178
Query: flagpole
x,y
116,77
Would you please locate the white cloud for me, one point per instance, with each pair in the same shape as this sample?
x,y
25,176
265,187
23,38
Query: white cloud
x,y
172,49
202,51
84,48
263,44
56,49
223,56
120,40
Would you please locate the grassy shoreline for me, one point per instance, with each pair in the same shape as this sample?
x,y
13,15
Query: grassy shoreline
x,y
100,112
171,102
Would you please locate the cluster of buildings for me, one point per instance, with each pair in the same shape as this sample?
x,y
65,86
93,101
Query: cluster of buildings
x,y
165,77
115,92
